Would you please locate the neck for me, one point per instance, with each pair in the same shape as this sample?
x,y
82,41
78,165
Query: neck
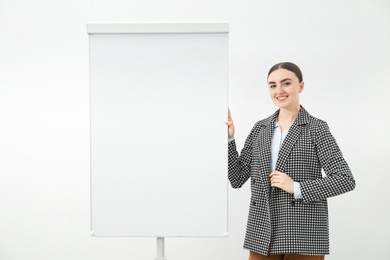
x,y
287,116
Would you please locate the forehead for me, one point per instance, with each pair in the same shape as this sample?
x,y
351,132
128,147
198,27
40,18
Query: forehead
x,y
281,74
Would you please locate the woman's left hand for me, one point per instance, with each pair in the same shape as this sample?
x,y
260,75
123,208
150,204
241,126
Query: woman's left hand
x,y
282,181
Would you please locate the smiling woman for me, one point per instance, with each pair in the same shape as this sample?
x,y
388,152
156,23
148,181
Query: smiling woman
x,y
285,84
284,155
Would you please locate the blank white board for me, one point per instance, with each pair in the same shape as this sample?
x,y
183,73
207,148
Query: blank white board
x,y
158,96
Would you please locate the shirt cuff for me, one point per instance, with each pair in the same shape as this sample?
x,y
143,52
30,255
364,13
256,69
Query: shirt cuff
x,y
297,190
230,139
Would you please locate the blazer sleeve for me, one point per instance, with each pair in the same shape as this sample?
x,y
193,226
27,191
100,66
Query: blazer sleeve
x,y
239,166
339,178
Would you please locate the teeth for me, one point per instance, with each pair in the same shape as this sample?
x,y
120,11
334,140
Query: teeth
x,y
281,98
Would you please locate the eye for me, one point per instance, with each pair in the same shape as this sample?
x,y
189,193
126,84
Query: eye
x,y
288,83
272,86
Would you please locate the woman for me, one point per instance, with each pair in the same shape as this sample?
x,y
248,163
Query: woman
x,y
283,156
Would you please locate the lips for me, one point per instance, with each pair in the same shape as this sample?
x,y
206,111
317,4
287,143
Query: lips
x,y
281,98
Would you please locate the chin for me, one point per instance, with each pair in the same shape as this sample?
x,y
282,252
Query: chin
x,y
281,105
285,106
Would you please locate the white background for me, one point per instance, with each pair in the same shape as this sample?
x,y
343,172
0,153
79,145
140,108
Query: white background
x,y
341,46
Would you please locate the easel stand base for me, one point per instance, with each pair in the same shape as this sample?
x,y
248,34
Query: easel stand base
x,y
160,249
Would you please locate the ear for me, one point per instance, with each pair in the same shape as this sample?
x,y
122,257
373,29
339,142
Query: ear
x,y
301,86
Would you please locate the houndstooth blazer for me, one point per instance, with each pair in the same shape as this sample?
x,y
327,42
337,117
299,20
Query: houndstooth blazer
x,y
278,223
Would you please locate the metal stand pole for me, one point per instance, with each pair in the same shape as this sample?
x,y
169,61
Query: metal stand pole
x,y
160,249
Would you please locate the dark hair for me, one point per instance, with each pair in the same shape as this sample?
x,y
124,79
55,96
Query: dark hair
x,y
288,66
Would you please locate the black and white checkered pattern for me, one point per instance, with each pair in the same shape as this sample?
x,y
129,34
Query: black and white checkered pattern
x,y
278,223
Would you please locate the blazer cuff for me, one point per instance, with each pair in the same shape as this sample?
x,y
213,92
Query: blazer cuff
x,y
297,190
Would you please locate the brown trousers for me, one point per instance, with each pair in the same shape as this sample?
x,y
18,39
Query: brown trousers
x,y
256,256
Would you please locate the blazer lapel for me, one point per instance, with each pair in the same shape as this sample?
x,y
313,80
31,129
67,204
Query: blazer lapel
x,y
288,143
291,138
264,143
265,148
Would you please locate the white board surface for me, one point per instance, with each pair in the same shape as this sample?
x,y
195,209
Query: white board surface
x,y
158,138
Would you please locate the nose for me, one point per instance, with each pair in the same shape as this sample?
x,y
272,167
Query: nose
x,y
279,89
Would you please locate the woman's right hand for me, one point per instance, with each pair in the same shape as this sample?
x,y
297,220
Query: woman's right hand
x,y
230,125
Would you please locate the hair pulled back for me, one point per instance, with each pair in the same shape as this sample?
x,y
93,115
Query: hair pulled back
x,y
288,66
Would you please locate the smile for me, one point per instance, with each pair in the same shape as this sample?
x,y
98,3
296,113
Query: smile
x,y
281,98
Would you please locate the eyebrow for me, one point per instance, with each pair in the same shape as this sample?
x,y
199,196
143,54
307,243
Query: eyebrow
x,y
283,80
